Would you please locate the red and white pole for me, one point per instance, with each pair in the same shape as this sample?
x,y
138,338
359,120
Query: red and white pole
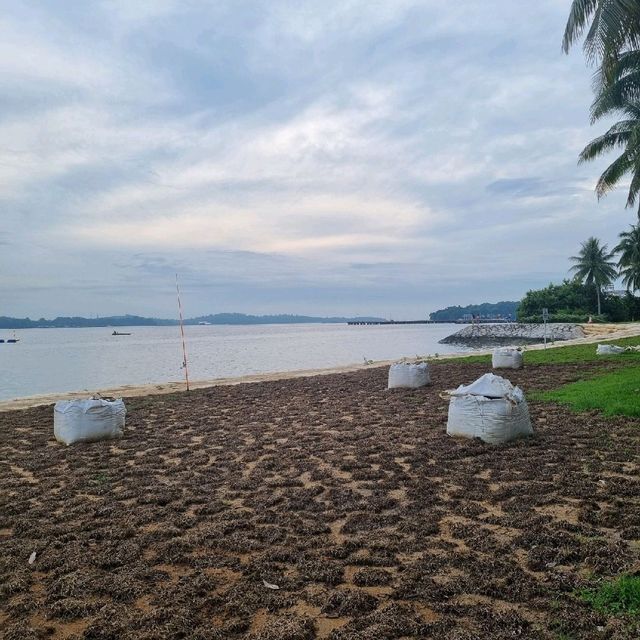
x,y
184,346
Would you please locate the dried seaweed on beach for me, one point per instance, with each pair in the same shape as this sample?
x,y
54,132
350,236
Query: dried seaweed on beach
x,y
371,521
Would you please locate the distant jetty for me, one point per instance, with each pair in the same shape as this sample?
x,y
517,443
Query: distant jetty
x,y
482,321
140,321
512,333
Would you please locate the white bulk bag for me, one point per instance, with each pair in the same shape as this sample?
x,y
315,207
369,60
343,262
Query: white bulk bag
x,y
506,358
608,350
491,409
88,420
407,375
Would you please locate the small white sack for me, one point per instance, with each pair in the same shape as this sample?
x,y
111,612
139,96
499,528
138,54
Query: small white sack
x,y
608,350
491,409
506,358
88,420
408,376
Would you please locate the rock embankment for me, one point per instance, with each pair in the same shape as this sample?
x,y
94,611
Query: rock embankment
x,y
486,335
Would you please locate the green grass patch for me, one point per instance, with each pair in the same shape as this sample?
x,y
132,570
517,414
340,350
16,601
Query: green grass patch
x,y
565,355
615,394
582,353
620,596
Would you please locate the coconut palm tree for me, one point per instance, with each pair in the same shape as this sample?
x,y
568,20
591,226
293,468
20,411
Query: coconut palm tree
x,y
629,262
593,265
612,41
620,96
614,27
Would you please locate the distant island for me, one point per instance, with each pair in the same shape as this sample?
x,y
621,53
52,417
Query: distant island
x,y
506,310
140,321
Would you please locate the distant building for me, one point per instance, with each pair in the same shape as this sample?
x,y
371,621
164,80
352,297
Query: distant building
x,y
619,293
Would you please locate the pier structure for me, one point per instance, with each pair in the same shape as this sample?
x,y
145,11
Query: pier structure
x,y
476,321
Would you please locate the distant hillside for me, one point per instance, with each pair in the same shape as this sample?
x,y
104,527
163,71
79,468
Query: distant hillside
x,y
241,318
484,310
77,322
139,321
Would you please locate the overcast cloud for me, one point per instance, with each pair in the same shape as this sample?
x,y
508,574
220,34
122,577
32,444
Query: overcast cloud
x,y
348,157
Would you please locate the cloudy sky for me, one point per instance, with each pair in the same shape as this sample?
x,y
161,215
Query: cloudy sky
x,y
321,157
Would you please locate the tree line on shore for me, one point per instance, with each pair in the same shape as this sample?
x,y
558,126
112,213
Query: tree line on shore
x,y
588,294
504,309
574,301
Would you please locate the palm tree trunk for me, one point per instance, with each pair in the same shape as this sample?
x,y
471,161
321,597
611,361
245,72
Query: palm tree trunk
x,y
598,294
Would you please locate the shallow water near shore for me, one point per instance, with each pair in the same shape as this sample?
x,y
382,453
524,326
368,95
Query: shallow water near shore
x,y
60,360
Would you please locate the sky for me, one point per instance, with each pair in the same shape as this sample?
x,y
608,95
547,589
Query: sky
x,y
327,158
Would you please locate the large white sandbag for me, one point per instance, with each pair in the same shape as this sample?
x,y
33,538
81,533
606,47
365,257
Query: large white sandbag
x,y
491,409
88,420
494,420
506,358
407,375
609,350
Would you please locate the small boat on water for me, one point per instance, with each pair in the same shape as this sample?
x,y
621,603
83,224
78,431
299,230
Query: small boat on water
x,y
12,340
120,333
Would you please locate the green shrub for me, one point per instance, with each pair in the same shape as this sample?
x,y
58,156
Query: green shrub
x,y
570,296
621,596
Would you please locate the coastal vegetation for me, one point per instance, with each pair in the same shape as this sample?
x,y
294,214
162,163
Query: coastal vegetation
x,y
573,301
588,295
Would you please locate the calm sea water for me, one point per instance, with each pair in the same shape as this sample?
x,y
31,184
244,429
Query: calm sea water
x,y
51,360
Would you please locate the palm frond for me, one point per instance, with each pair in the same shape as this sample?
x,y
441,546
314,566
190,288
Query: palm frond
x,y
617,136
613,174
617,95
629,262
634,187
614,27
581,11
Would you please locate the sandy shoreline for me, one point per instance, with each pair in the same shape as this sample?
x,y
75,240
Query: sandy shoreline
x,y
594,333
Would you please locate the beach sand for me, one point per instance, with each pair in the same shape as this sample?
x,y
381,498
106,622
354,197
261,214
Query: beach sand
x,y
350,498
594,333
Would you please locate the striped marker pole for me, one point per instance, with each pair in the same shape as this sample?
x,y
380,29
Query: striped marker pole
x,y
184,346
